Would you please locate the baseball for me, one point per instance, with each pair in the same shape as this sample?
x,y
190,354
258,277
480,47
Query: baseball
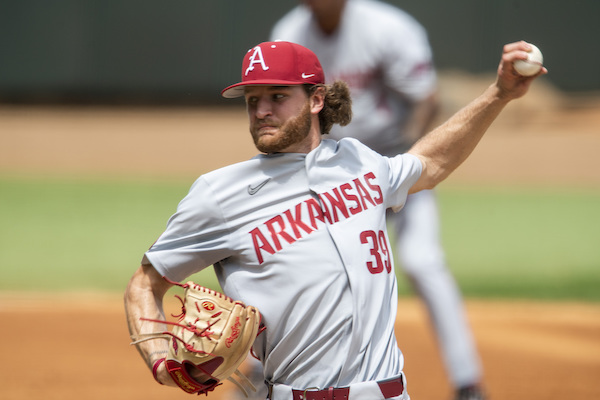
x,y
532,65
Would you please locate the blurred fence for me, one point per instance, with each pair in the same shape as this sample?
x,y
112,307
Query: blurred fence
x,y
185,51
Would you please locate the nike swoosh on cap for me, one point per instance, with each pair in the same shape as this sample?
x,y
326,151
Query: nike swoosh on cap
x,y
306,76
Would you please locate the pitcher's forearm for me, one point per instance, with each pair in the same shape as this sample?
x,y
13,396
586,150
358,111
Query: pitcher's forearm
x,y
143,302
446,147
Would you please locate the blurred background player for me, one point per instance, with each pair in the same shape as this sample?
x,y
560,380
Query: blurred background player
x,y
384,55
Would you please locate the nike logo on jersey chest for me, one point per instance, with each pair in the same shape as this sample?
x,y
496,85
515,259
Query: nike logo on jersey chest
x,y
252,190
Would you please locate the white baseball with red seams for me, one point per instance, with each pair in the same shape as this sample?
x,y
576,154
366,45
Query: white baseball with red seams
x,y
532,65
303,238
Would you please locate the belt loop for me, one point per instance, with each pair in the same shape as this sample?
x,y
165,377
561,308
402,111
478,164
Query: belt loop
x,y
330,393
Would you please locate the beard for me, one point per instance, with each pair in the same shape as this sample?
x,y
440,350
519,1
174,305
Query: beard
x,y
293,131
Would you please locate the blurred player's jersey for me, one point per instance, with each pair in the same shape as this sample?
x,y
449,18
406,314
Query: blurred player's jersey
x,y
384,56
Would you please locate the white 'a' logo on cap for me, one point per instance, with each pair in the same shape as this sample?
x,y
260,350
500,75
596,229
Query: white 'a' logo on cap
x,y
256,58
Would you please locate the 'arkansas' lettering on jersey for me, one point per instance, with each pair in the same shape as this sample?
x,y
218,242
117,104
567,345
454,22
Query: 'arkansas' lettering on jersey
x,y
335,205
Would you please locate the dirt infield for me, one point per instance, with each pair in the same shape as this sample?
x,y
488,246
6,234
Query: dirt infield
x,y
543,138
61,348
76,347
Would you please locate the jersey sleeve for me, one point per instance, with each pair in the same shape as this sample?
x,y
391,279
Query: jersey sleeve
x,y
196,236
405,170
408,59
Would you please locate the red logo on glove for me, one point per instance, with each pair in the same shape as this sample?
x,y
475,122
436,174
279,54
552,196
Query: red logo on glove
x,y
208,306
235,332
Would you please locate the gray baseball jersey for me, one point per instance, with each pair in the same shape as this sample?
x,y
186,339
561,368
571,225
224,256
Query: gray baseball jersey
x,y
383,54
303,238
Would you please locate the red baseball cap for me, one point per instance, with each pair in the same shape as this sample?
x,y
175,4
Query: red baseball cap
x,y
277,64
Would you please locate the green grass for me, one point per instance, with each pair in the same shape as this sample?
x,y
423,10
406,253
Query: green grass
x,y
500,242
540,243
90,235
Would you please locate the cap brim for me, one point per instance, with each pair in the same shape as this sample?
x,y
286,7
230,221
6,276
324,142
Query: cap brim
x,y
237,90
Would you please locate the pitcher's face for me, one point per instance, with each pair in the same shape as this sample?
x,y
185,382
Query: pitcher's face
x,y
279,116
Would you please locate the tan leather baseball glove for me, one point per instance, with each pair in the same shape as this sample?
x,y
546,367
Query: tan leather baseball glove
x,y
210,339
